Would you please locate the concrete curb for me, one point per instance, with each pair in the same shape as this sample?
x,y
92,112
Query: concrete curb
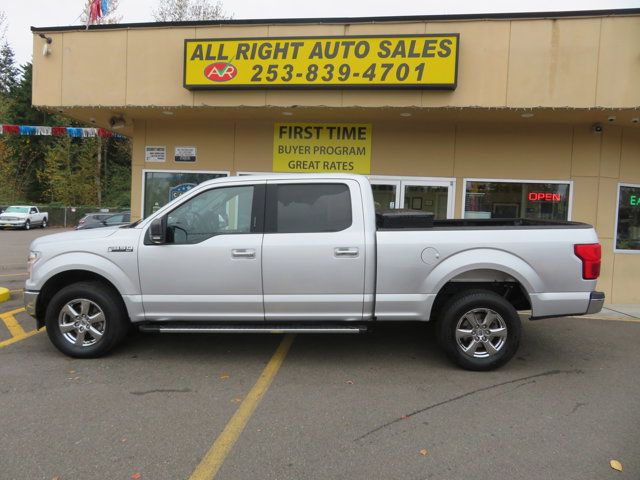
x,y
4,294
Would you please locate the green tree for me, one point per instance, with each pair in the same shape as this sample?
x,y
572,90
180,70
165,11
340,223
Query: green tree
x,y
24,154
9,73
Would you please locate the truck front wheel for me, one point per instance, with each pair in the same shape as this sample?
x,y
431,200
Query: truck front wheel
x,y
27,225
86,320
479,330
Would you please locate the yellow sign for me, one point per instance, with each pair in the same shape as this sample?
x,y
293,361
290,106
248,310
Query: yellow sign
x,y
410,61
322,147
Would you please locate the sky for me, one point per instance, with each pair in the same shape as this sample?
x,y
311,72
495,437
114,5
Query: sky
x,y
22,14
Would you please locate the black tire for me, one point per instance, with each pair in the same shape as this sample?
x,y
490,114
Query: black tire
x,y
99,297
27,225
44,223
492,314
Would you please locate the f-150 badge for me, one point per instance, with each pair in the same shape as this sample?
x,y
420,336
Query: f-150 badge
x,y
120,249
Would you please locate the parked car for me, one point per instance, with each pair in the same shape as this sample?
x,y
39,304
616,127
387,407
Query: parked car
x,y
122,218
23,216
308,254
98,220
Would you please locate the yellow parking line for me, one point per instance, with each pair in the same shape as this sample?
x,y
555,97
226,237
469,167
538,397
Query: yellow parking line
x,y
5,343
212,461
13,274
12,312
14,327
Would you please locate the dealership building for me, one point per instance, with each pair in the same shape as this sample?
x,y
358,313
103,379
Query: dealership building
x,y
466,116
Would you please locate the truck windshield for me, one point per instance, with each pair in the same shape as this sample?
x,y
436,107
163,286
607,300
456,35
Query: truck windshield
x,y
17,210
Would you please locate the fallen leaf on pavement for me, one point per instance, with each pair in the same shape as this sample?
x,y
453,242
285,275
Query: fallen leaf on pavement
x,y
136,476
616,465
237,400
349,382
424,452
224,376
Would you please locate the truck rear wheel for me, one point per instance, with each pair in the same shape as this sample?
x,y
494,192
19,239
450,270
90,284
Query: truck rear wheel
x,y
44,223
86,320
479,330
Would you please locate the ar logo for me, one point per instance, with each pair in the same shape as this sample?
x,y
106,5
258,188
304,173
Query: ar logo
x,y
220,72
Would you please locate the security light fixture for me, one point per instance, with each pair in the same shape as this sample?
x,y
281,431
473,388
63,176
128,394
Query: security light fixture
x,y
117,122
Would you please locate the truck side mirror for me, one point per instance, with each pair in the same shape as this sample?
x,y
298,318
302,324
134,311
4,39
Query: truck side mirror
x,y
158,231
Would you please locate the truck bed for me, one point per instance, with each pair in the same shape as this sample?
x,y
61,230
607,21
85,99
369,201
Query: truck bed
x,y
483,224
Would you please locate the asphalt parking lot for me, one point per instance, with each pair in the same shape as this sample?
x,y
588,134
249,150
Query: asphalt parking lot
x,y
385,405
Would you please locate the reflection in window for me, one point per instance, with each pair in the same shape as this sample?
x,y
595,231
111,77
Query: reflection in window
x,y
541,201
628,230
162,187
218,211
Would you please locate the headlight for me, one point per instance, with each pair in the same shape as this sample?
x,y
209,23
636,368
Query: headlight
x,y
31,260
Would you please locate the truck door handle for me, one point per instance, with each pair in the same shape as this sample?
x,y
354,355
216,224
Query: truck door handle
x,y
346,252
243,253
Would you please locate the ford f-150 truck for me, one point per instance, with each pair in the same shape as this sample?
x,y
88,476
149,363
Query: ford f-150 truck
x,y
23,216
308,253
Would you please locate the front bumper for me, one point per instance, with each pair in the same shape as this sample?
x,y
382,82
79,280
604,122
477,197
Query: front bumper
x,y
12,223
596,301
30,300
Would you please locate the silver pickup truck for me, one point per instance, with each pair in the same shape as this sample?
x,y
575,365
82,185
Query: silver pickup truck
x,y
308,253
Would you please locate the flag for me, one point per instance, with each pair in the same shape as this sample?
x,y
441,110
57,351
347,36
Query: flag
x,y
95,11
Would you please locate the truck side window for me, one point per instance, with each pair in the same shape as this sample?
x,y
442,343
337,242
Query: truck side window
x,y
306,208
218,211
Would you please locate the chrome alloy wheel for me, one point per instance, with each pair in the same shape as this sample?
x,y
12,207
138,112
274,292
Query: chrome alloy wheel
x,y
481,333
82,322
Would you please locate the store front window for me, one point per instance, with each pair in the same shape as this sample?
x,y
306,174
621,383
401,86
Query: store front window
x,y
502,199
432,195
162,186
628,218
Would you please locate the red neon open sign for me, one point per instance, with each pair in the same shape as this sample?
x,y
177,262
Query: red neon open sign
x,y
544,197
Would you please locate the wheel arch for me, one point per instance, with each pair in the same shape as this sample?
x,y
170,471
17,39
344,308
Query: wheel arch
x,y
61,280
490,280
488,269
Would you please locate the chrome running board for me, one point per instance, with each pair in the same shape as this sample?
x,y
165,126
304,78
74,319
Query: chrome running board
x,y
159,328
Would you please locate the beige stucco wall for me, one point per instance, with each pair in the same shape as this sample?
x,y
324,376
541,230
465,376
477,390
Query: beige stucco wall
x,y
503,63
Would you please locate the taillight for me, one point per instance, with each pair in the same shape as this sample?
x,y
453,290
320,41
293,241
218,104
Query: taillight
x,y
590,254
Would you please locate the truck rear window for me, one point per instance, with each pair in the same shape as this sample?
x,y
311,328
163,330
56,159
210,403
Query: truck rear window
x,y
307,208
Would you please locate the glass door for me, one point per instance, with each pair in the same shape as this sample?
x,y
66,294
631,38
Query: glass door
x,y
433,196
386,194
